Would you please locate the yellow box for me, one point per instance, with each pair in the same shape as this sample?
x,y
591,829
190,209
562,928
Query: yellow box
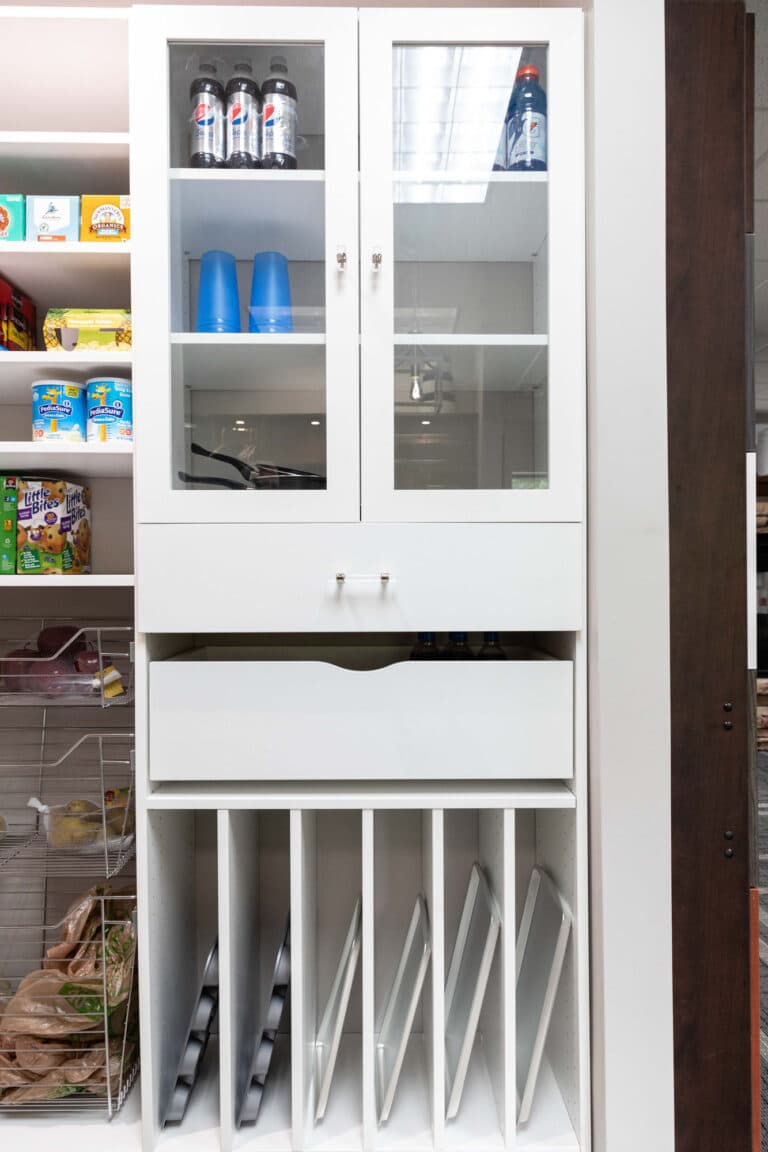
x,y
106,218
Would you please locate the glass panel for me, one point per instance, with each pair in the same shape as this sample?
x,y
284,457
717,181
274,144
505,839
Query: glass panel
x,y
472,267
261,410
450,104
276,114
470,417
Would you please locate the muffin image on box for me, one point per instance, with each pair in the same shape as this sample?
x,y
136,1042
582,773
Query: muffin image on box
x,y
54,528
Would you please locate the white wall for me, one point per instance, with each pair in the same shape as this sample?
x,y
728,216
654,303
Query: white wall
x,y
633,1108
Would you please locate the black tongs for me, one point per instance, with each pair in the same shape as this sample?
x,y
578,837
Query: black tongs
x,y
256,476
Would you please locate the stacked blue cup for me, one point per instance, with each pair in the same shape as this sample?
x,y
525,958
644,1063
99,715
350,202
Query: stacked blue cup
x,y
270,308
218,302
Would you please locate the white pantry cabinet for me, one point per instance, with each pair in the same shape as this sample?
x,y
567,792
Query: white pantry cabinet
x,y
432,372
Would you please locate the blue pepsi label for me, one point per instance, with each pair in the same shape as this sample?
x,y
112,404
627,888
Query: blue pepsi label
x,y
280,125
243,125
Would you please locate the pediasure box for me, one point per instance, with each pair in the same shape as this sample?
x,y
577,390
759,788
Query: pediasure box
x,y
12,217
53,528
65,329
8,498
52,219
17,319
105,218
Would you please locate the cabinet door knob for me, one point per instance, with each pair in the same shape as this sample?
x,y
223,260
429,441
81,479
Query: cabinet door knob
x,y
341,259
376,258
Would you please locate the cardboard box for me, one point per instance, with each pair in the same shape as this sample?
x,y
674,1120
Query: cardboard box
x,y
8,512
105,218
17,319
67,329
13,220
53,528
52,219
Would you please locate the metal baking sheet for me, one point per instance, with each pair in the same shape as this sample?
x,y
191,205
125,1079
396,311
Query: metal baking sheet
x,y
250,1104
401,1008
467,981
196,1040
332,1023
541,946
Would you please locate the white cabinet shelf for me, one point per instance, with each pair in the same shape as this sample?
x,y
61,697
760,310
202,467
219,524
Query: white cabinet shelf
x,y
83,460
57,583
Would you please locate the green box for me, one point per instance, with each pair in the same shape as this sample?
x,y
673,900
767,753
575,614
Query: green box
x,y
9,501
13,217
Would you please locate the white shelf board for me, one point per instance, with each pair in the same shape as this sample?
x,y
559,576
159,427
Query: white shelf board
x,y
64,163
20,370
254,339
473,340
509,225
88,460
248,215
466,176
98,580
249,175
324,795
69,274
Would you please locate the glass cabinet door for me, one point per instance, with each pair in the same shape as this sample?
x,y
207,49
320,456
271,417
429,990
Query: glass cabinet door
x,y
245,273
472,265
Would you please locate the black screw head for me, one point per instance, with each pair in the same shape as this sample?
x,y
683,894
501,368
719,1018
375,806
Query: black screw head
x,y
727,707
728,725
729,853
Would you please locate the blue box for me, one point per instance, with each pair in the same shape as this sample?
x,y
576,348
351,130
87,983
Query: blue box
x,y
12,218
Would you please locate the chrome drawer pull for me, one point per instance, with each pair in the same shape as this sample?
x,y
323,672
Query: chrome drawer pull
x,y
342,577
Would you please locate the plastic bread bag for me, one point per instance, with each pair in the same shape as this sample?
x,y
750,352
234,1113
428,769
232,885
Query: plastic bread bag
x,y
79,825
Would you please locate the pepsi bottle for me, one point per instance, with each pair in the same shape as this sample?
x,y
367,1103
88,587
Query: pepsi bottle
x,y
243,119
527,123
280,113
206,136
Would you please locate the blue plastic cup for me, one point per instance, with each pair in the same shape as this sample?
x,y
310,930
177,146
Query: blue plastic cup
x,y
270,309
218,302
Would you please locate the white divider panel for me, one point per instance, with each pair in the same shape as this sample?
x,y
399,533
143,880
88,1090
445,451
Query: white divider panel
x,y
303,962
434,1004
369,995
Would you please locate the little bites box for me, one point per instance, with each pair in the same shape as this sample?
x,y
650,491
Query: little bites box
x,y
8,510
105,218
53,528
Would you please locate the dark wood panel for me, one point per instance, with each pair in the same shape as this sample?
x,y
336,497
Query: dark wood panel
x,y
707,401
749,122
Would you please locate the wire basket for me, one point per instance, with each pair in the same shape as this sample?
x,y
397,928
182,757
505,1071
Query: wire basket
x,y
63,662
66,802
68,1005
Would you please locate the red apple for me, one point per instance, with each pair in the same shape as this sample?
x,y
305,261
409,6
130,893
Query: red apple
x,y
60,639
14,674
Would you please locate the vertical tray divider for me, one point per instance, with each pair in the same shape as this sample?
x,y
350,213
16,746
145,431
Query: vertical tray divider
x,y
303,972
369,988
434,835
227,1045
509,980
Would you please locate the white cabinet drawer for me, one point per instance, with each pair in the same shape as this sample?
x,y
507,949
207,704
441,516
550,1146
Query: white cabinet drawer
x,y
309,720
282,578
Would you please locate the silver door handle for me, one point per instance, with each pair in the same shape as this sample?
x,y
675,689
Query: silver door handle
x,y
341,259
376,258
382,577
